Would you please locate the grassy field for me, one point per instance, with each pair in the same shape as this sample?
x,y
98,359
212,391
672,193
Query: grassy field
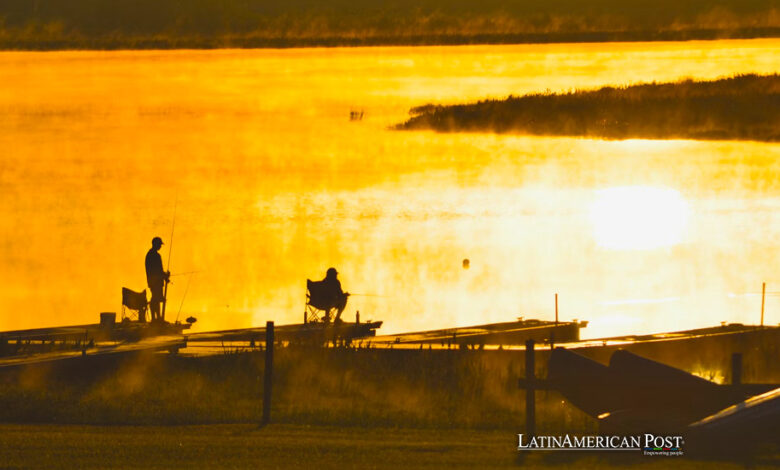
x,y
288,446
108,24
332,408
443,389
745,107
446,389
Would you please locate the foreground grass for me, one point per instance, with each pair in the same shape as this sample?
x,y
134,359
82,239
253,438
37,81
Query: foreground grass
x,y
313,386
745,107
288,446
104,24
443,389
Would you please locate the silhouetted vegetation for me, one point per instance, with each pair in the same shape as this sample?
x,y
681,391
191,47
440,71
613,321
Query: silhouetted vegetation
x,y
354,387
311,385
746,107
107,24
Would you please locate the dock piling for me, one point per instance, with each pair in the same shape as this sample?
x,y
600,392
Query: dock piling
x,y
736,368
268,372
530,391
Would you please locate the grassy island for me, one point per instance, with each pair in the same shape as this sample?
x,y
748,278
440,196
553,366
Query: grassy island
x,y
745,107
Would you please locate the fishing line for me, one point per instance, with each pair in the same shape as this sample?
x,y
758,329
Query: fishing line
x,y
184,273
186,289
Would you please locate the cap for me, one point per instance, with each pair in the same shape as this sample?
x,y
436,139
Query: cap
x,y
157,240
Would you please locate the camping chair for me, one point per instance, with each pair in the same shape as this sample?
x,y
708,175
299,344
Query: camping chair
x,y
136,302
318,302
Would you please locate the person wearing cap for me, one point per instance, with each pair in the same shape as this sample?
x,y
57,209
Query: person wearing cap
x,y
331,287
156,277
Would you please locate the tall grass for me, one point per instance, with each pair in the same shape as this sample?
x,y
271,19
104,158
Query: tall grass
x,y
105,24
362,387
376,387
745,107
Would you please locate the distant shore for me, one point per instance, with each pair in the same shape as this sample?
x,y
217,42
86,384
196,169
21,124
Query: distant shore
x,y
209,24
745,107
46,42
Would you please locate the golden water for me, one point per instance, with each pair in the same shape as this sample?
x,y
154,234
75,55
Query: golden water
x,y
275,184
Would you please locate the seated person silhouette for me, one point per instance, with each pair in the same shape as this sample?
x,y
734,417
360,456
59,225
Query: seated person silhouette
x,y
327,294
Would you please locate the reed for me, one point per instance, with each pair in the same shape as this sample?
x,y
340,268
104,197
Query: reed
x,y
443,389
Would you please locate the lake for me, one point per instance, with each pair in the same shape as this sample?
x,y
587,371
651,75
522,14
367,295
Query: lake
x,y
272,183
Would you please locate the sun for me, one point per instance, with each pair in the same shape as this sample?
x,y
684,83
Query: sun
x,y
638,218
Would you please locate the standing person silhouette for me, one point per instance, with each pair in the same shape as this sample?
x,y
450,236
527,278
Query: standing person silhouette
x,y
156,277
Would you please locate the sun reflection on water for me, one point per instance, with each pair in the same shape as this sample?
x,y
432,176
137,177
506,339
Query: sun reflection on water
x,y
639,218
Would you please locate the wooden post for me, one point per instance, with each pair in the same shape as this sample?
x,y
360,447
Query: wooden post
x,y
736,368
763,296
165,296
268,372
530,395
552,335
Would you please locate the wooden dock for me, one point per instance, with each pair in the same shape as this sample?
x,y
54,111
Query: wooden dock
x,y
506,334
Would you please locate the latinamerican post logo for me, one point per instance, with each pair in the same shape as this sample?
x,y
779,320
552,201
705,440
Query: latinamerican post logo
x,y
648,444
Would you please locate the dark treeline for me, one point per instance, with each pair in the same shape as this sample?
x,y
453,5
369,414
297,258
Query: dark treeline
x,y
745,107
107,24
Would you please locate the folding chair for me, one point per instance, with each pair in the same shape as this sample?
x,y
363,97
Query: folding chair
x,y
320,304
136,302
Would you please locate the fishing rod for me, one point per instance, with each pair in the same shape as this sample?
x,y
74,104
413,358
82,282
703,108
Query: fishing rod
x,y
170,250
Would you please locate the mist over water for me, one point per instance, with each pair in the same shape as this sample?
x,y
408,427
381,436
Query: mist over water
x,y
275,184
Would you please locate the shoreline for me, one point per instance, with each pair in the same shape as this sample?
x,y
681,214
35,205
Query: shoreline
x,y
14,44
